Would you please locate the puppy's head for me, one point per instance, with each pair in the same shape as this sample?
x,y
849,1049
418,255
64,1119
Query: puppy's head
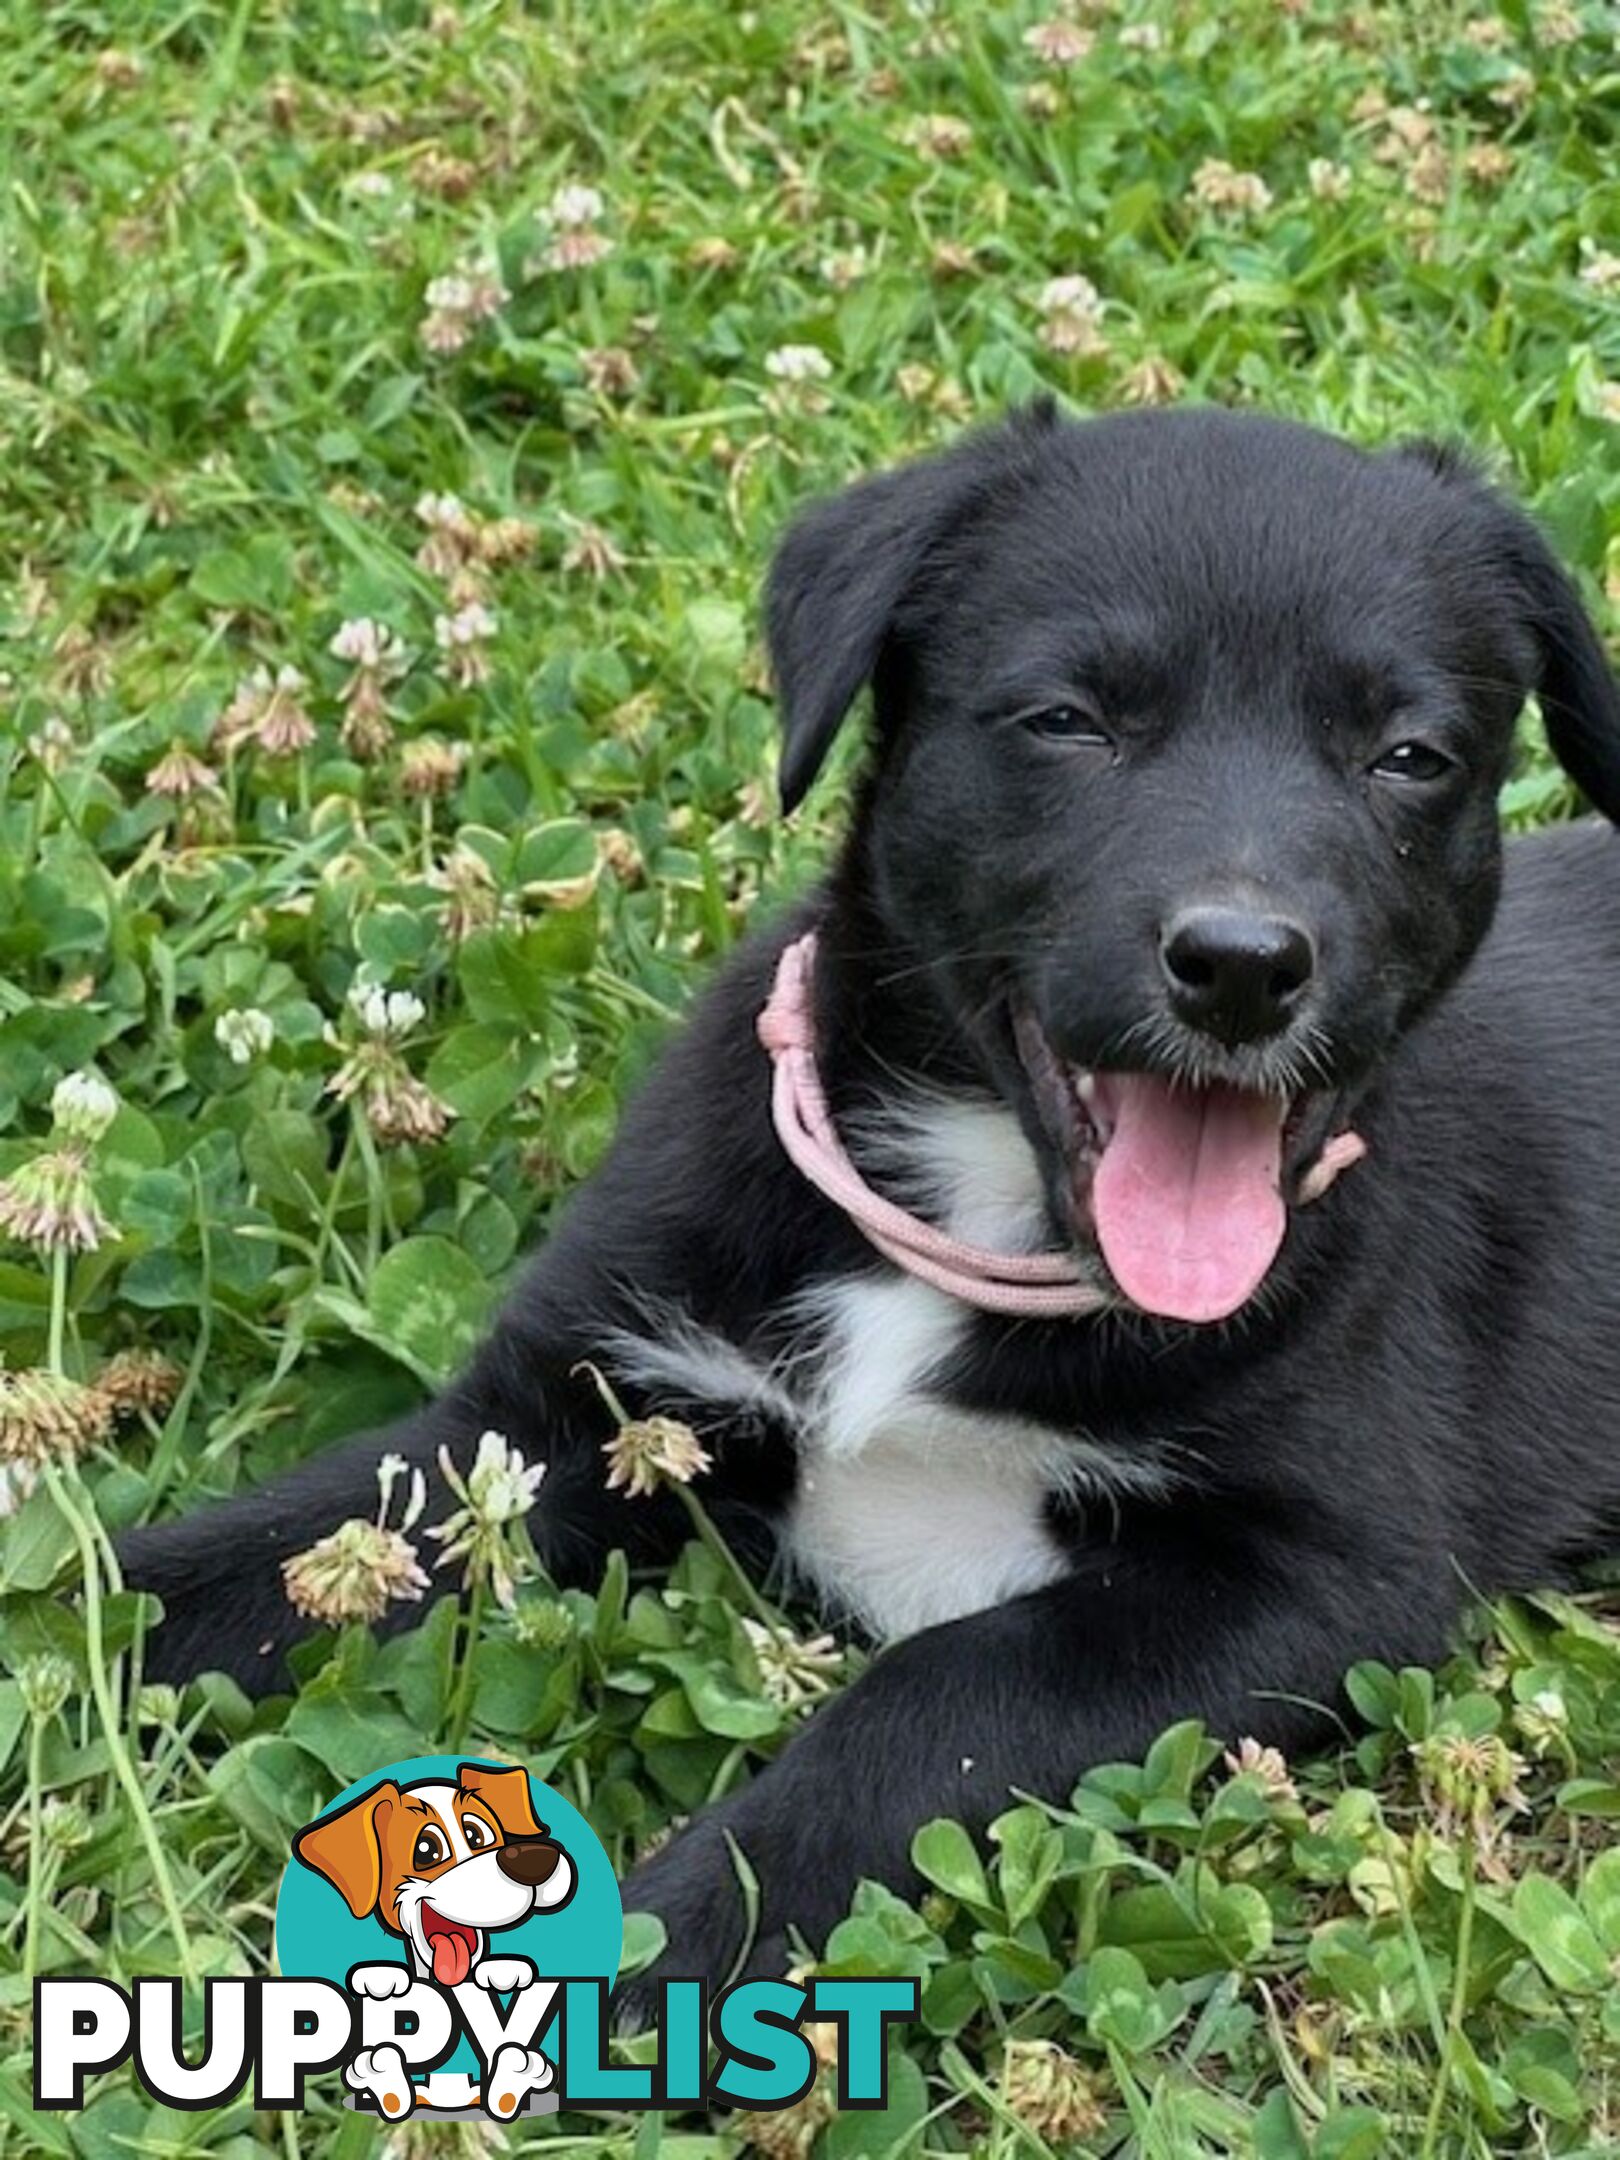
x,y
1189,733
442,1863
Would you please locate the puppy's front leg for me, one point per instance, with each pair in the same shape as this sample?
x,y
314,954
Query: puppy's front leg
x,y
219,1572
1200,1611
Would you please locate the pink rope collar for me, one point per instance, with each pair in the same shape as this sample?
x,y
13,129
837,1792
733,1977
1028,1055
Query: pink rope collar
x,y
1025,1285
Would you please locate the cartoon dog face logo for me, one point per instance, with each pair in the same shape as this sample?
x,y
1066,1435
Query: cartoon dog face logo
x,y
442,1865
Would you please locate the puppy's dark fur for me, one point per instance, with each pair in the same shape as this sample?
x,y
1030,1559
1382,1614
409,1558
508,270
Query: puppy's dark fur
x,y
1427,1390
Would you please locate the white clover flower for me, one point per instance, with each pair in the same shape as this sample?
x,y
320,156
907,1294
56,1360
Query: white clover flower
x,y
1059,43
51,1203
46,1418
843,270
461,637
501,1485
1329,180
369,645
245,1034
649,1452
576,247
405,1011
476,293
793,1669
1072,294
45,1682
1218,185
1072,309
52,743
798,364
574,206
280,726
469,625
390,1469
495,1495
354,1574
435,510
458,302
387,1013
488,294
454,294
83,1106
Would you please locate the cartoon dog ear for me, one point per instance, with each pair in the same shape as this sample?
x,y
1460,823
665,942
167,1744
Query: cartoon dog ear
x,y
506,1794
347,1848
1574,683
844,568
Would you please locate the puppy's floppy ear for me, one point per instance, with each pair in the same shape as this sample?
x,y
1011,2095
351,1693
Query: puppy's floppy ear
x,y
1580,701
506,1794
347,1847
1575,685
841,573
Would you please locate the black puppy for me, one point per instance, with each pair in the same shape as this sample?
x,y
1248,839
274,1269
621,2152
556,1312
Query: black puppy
x,y
1175,865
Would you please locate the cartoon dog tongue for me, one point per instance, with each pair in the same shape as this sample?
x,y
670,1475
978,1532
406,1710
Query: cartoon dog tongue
x,y
452,1957
1187,1198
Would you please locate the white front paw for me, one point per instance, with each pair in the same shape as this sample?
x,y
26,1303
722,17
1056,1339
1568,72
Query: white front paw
x,y
500,1975
380,1981
513,2075
381,2072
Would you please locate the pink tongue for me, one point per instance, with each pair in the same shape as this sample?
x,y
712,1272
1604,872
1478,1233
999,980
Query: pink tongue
x,y
1187,1197
452,1959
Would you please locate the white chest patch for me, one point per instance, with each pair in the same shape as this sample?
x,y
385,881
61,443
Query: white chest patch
x,y
910,1510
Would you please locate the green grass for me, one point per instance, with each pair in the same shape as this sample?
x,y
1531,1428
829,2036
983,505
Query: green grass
x,y
217,413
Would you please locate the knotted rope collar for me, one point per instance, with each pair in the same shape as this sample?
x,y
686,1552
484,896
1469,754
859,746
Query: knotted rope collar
x,y
1022,1285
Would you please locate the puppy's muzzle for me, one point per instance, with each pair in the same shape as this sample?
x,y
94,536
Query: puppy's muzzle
x,y
1234,974
530,1860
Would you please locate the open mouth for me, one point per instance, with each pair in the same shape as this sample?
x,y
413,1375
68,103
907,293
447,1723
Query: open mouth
x,y
1181,1184
450,1946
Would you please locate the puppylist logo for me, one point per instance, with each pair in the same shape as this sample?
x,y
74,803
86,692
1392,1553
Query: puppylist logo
x,y
448,1932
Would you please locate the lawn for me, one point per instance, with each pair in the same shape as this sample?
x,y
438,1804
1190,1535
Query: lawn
x,y
397,406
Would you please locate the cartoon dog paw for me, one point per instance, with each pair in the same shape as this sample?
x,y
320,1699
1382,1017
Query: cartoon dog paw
x,y
500,1975
381,2074
513,2075
380,1981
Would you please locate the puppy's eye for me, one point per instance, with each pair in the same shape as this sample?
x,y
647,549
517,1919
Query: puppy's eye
x,y
1411,761
478,1834
430,1848
1077,724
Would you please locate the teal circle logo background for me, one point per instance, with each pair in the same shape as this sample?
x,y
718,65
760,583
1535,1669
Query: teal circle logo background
x,y
317,1937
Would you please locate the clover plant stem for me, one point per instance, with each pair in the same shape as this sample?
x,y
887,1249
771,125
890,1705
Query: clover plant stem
x,y
123,1769
703,1524
58,1328
36,1855
1459,2002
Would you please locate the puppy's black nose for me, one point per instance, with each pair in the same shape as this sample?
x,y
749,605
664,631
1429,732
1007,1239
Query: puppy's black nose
x,y
1238,976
